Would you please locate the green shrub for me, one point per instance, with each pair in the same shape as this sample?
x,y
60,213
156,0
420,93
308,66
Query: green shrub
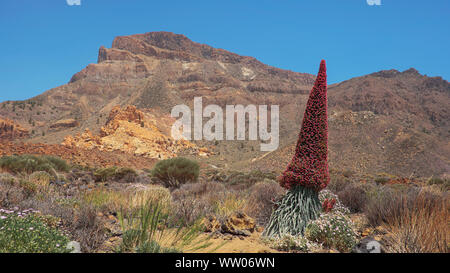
x,y
249,178
176,171
33,163
40,178
115,173
332,230
29,234
57,163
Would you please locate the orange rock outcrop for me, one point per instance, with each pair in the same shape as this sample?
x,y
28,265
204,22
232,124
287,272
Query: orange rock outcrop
x,y
130,130
9,130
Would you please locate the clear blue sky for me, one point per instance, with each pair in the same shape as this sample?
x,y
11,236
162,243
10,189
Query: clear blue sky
x,y
43,43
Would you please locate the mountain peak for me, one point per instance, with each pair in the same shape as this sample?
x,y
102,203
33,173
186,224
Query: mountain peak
x,y
411,71
176,46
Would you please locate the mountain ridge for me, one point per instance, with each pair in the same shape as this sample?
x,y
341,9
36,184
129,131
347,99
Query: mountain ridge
x,y
372,118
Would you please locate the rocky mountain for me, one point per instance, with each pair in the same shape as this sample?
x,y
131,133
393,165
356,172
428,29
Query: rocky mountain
x,y
389,121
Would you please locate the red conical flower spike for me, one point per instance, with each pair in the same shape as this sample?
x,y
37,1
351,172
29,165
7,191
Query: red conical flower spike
x,y
309,166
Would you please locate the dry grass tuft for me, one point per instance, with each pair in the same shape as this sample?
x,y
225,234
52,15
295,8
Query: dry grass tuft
x,y
421,227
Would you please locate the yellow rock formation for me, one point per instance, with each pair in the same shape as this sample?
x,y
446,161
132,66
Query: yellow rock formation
x,y
130,130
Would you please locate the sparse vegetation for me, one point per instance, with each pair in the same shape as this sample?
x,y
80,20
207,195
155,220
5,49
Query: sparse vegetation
x,y
422,229
115,173
113,200
176,171
193,201
91,204
145,231
31,163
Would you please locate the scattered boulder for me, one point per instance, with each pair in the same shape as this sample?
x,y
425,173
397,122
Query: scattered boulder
x,y
211,224
367,245
74,247
239,224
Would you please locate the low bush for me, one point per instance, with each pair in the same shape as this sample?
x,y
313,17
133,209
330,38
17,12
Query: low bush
x,y
41,179
387,204
198,190
250,178
33,163
25,187
176,171
194,201
188,210
354,196
261,200
122,174
87,228
332,230
80,221
420,224
22,233
337,183
28,187
152,194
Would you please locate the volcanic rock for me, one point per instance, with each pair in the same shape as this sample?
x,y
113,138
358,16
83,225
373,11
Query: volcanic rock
x,y
9,130
130,130
65,123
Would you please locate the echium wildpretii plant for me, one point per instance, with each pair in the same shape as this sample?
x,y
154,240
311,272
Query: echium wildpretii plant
x,y
307,173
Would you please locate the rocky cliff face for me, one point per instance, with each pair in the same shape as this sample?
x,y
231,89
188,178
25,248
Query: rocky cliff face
x,y
199,63
9,130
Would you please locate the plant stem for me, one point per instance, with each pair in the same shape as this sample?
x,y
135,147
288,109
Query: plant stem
x,y
299,206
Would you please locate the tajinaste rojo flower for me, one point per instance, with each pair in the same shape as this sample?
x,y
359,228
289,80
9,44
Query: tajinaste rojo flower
x,y
307,173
